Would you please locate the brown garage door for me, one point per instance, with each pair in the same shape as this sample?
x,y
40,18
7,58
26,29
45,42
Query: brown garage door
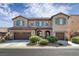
x,y
60,35
22,35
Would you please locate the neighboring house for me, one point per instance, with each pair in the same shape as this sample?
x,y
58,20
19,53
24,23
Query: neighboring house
x,y
60,25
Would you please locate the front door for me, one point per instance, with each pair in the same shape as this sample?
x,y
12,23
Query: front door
x,y
39,33
47,33
60,35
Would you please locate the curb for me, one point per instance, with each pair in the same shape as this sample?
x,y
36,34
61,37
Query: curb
x,y
68,47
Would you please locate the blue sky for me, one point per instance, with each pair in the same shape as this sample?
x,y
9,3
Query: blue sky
x,y
29,10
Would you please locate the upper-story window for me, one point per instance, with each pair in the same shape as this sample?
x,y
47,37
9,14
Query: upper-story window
x,y
60,21
39,23
46,24
19,23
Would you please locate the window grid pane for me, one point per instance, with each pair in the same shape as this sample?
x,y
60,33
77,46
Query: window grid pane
x,y
40,23
60,21
19,23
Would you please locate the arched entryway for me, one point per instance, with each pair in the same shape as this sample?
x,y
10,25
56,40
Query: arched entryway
x,y
47,33
39,33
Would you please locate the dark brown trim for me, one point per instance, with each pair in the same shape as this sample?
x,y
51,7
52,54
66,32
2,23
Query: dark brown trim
x,y
38,19
28,28
74,15
46,35
21,28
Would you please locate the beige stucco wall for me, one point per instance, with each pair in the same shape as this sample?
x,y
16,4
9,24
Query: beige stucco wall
x,y
71,26
59,28
74,23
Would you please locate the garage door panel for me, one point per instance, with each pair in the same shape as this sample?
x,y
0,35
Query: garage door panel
x,y
60,35
22,35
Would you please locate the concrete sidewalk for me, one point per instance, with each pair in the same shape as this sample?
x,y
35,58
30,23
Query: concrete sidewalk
x,y
72,44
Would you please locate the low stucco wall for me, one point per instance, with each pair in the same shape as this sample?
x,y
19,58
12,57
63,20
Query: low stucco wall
x,y
3,29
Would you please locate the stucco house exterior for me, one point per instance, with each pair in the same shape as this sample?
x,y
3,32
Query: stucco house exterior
x,y
60,25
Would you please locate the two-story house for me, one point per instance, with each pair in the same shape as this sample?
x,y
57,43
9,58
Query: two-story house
x,y
60,25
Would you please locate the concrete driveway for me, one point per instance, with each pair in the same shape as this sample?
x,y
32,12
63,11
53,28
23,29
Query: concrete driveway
x,y
13,43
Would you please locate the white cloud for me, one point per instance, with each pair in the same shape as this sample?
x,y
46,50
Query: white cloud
x,y
45,10
33,10
6,11
7,14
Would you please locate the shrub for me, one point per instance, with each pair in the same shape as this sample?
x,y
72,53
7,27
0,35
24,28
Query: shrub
x,y
43,42
75,40
52,39
34,39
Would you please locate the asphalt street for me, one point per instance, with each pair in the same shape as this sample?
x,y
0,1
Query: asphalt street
x,y
40,52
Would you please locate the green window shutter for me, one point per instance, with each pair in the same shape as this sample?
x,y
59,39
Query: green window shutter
x,y
23,23
41,23
57,21
61,21
18,23
64,21
37,23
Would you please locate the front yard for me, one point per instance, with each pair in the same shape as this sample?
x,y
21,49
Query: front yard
x,y
24,44
36,41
